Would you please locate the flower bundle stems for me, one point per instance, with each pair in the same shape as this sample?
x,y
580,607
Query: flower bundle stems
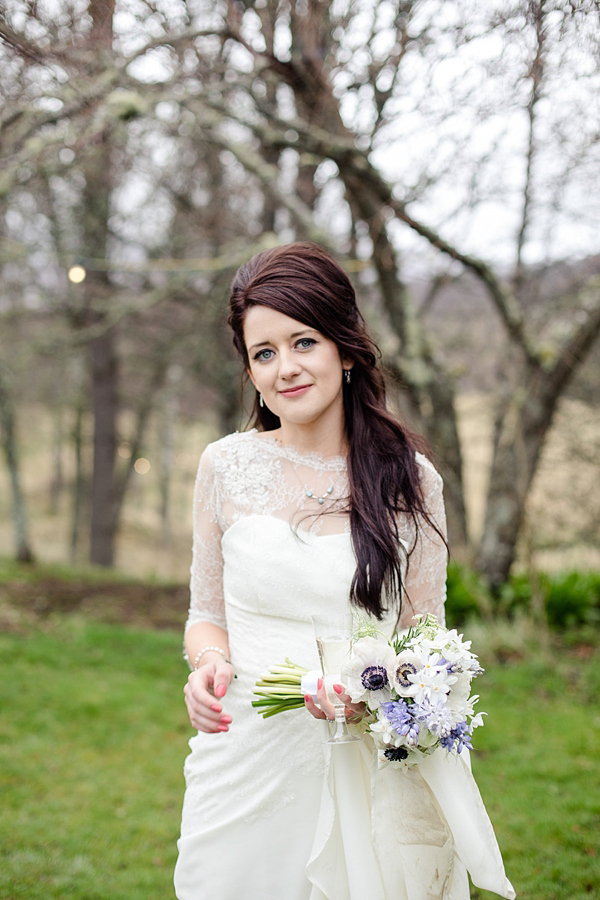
x,y
280,689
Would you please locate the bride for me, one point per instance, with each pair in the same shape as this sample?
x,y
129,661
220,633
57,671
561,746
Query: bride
x,y
327,505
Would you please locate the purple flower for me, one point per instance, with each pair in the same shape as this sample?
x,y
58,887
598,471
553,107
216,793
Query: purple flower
x,y
400,717
459,737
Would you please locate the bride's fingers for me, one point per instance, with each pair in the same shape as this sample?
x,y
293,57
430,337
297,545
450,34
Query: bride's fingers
x,y
352,709
324,703
313,708
202,723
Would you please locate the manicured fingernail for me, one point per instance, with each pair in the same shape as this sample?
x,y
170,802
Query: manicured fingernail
x,y
216,708
220,690
319,684
307,698
223,728
338,688
225,720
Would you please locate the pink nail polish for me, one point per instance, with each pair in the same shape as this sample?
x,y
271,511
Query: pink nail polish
x,y
307,698
215,707
319,684
338,688
223,728
220,690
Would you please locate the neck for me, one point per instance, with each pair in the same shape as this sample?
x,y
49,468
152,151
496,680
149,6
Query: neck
x,y
324,438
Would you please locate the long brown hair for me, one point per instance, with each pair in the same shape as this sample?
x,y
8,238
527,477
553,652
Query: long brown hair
x,y
303,282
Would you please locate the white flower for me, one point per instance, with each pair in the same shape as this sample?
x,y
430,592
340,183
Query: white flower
x,y
437,719
451,646
384,733
477,720
459,695
407,663
431,682
368,674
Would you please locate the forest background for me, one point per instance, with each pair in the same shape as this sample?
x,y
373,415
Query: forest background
x,y
447,154
444,151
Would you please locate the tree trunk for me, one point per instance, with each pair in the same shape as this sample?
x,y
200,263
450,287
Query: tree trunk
x,y
10,448
102,354
166,461
105,406
519,441
430,390
58,479
79,483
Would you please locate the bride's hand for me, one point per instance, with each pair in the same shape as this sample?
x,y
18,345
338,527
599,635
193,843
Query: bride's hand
x,y
205,687
352,711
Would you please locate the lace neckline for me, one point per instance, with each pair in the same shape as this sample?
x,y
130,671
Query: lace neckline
x,y
296,456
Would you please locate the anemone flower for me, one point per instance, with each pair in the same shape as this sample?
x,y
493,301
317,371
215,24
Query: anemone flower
x,y
368,674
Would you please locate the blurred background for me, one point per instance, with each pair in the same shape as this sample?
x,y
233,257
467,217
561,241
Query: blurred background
x,y
446,151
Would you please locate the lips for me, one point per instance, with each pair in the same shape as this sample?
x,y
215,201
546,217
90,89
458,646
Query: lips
x,y
295,391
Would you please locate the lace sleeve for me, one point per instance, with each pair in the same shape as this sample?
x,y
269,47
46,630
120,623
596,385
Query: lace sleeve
x,y
206,582
426,575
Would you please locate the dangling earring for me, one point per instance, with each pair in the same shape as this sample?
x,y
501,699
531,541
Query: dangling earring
x,y
347,375
261,402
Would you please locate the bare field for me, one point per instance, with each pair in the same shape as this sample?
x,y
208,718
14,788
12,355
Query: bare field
x,y
563,516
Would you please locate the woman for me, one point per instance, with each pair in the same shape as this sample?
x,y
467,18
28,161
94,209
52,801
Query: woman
x,y
325,506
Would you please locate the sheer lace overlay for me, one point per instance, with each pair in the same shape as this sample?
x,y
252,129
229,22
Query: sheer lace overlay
x,y
251,474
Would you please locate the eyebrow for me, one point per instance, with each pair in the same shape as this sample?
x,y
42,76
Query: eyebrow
x,y
295,334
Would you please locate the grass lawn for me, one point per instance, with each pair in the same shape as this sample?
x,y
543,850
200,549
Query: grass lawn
x,y
93,736
92,741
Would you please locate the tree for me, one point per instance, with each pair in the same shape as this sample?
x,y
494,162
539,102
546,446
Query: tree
x,y
78,147
399,132
10,447
551,36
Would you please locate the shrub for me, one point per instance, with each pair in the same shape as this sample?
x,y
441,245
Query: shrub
x,y
573,598
467,597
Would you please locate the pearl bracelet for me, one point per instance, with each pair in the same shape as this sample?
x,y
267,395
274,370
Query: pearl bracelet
x,y
204,650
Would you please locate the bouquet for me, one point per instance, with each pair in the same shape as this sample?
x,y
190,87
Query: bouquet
x,y
416,687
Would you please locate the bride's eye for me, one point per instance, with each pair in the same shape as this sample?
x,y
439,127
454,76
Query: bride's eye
x,y
305,343
263,355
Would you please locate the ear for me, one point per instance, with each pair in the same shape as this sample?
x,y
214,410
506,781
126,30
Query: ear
x,y
347,363
251,378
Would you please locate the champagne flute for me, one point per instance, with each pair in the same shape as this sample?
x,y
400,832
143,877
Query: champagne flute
x,y
333,634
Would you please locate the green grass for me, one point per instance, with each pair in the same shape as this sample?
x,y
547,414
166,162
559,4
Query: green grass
x,y
92,741
93,736
538,769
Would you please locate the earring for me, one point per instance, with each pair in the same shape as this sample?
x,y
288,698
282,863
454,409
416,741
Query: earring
x,y
261,402
347,375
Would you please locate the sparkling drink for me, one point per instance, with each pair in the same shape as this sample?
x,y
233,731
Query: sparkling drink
x,y
334,651
333,634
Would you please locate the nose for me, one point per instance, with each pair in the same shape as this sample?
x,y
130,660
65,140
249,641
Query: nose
x,y
289,365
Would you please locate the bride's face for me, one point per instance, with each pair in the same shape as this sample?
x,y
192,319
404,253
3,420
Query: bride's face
x,y
298,370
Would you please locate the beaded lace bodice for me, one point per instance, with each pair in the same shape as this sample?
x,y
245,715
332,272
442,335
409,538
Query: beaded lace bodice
x,y
250,474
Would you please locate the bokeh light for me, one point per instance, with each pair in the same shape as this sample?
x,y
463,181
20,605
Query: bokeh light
x,y
76,274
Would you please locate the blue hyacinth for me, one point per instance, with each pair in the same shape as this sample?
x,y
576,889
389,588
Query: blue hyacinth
x,y
459,737
400,717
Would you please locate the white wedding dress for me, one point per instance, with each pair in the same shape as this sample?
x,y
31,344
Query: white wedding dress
x,y
272,812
